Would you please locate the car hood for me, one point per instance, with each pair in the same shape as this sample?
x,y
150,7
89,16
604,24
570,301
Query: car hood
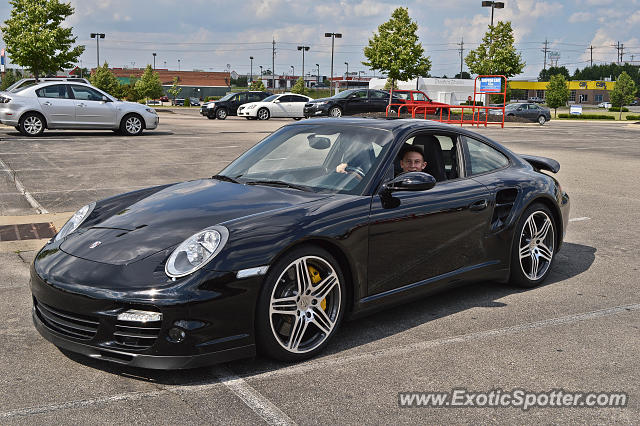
x,y
169,216
315,101
132,105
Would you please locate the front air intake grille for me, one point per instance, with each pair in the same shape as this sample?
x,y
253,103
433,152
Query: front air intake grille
x,y
136,336
73,325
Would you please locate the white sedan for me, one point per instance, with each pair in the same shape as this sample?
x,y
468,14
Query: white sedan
x,y
285,105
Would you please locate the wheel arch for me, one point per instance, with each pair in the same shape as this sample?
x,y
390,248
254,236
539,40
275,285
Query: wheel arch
x,y
548,202
35,111
142,120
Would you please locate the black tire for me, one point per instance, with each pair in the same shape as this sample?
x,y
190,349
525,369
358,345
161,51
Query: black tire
x,y
117,131
132,125
211,117
32,124
323,304
335,111
541,120
221,113
403,110
527,268
17,128
297,118
263,114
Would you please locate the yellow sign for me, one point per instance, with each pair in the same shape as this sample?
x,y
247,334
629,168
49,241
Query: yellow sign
x,y
573,85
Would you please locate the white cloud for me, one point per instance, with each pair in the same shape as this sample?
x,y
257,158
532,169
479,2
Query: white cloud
x,y
580,17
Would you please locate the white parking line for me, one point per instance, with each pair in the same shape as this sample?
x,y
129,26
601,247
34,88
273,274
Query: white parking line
x,y
271,413
578,219
21,189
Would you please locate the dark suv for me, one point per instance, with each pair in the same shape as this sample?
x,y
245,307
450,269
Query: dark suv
x,y
228,104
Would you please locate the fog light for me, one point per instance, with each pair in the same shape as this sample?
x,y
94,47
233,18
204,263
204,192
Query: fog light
x,y
140,316
176,334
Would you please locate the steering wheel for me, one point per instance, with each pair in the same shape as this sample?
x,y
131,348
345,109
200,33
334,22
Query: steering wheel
x,y
357,171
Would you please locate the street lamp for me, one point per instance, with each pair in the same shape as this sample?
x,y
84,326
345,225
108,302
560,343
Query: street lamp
x,y
178,65
260,71
318,77
154,60
303,48
97,36
251,79
493,5
347,75
293,71
333,37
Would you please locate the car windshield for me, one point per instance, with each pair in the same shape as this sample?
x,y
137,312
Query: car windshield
x,y
345,93
270,98
512,106
306,157
227,97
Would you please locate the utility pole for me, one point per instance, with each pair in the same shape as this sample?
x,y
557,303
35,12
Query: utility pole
x,y
318,77
591,48
333,37
154,60
621,53
97,36
617,47
303,48
545,50
251,78
461,44
273,65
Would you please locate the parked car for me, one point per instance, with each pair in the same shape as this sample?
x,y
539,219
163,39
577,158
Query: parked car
x,y
604,105
634,102
536,100
21,84
285,105
153,102
276,249
178,102
71,105
529,111
194,101
164,98
347,102
228,104
419,101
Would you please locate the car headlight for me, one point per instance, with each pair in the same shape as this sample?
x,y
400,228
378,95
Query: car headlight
x,y
196,251
250,107
211,105
151,110
320,103
75,221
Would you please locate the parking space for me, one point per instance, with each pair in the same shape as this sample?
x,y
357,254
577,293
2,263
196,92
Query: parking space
x,y
579,331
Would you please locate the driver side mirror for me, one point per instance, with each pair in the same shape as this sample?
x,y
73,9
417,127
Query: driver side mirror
x,y
277,101
411,181
105,99
519,109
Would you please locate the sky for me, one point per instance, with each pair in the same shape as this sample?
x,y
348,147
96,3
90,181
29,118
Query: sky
x,y
209,34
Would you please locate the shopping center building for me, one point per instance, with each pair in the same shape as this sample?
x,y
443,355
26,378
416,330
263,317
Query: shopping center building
x,y
585,92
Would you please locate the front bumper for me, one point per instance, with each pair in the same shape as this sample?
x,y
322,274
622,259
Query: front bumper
x,y
244,112
217,322
315,110
151,121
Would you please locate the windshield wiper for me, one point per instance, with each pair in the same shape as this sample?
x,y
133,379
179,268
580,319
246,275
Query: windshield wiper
x,y
224,178
279,183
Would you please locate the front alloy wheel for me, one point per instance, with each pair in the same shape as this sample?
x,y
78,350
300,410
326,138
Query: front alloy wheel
x,y
335,112
542,119
301,305
535,248
131,125
263,114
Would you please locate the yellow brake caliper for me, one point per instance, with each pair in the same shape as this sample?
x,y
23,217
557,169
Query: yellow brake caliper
x,y
315,279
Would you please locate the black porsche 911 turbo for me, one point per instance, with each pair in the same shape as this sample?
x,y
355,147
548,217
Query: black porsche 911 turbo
x,y
313,224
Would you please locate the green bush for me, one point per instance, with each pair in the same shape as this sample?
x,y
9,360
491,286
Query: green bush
x,y
633,117
478,103
616,109
587,116
187,102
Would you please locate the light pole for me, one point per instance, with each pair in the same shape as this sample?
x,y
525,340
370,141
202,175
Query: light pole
x,y
303,48
318,78
165,64
293,75
260,71
178,65
97,36
493,5
251,78
347,74
154,60
333,37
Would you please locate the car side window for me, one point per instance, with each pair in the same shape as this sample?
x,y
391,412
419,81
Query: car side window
x,y
295,98
483,158
55,91
419,97
286,98
255,97
360,94
86,93
378,94
242,98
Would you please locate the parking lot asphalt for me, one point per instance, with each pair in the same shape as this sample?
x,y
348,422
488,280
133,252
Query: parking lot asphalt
x,y
579,331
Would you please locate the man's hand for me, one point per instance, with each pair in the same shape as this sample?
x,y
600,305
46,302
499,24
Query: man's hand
x,y
341,168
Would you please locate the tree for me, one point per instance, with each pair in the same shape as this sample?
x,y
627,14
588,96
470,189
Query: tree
x,y
10,77
389,84
241,81
149,85
557,92
175,89
465,75
299,87
35,38
496,55
257,85
624,92
395,49
104,79
545,75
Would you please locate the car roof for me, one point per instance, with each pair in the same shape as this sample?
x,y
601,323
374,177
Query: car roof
x,y
392,124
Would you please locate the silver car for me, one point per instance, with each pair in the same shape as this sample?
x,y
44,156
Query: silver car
x,y
71,105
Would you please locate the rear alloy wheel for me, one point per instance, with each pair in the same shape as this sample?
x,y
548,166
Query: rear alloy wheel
x,y
533,247
31,124
131,125
301,304
221,113
335,112
263,114
541,120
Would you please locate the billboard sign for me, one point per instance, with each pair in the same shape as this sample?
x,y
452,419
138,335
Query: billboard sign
x,y
490,84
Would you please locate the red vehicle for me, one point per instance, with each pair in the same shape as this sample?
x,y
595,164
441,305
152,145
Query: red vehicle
x,y
413,99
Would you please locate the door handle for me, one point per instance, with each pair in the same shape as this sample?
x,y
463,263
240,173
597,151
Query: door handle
x,y
47,103
478,205
81,105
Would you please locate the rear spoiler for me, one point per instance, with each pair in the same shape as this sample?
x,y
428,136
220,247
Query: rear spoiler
x,y
542,163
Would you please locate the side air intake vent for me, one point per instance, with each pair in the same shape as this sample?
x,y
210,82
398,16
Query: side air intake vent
x,y
504,204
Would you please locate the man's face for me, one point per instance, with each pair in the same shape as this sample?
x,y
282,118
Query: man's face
x,y
412,162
